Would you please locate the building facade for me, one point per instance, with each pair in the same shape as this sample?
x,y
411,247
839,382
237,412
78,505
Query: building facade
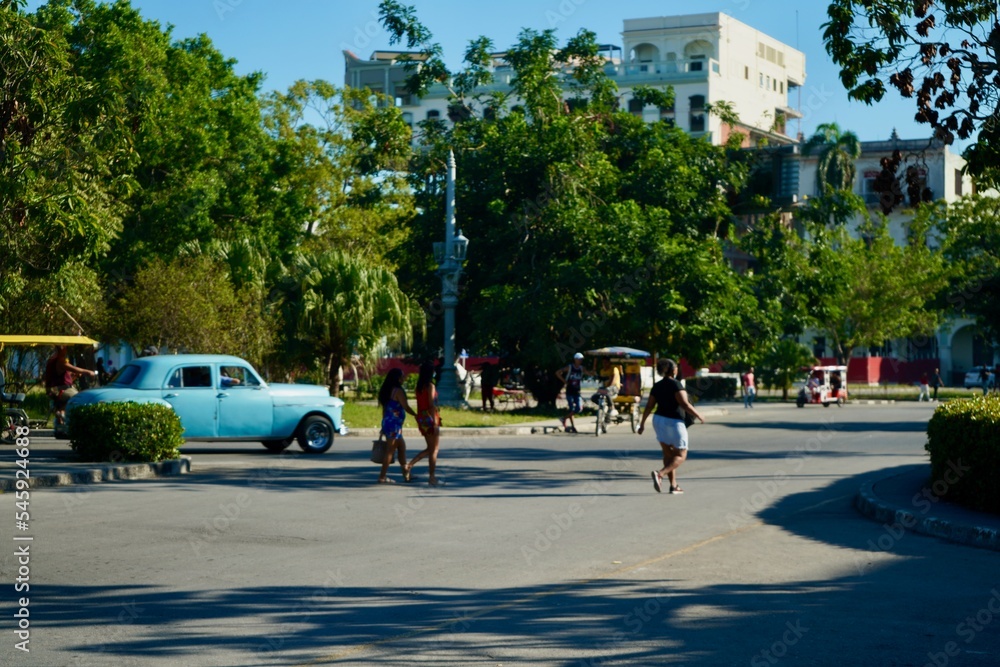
x,y
706,58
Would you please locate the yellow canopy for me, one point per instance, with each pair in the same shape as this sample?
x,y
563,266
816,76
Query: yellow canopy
x,y
45,340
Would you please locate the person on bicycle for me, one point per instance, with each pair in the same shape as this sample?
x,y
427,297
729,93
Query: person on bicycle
x,y
59,377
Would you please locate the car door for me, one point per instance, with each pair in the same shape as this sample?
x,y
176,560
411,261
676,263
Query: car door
x,y
188,388
245,409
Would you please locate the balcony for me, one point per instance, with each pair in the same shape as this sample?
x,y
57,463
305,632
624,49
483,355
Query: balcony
x,y
672,70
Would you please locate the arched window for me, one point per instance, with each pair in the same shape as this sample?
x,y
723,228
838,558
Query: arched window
x,y
433,113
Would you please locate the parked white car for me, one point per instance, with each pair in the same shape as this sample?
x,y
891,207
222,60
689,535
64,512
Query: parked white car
x,y
972,378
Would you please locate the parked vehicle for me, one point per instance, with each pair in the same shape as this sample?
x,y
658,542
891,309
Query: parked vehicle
x,y
624,406
220,397
974,377
826,385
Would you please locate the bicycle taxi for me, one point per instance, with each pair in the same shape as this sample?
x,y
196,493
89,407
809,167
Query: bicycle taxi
x,y
14,386
620,371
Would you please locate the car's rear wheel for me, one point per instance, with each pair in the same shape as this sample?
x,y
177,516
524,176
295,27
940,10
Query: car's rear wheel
x,y
315,434
277,446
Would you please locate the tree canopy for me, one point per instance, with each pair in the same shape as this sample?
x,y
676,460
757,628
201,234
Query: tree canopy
x,y
941,54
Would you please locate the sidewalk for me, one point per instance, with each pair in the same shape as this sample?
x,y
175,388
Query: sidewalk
x,y
906,500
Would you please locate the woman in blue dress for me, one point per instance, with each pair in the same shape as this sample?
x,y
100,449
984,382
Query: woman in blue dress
x,y
392,398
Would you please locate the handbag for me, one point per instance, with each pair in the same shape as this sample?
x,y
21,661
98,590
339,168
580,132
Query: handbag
x,y
378,450
688,418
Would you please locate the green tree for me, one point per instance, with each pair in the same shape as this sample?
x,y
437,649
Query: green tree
x,y
186,305
337,305
940,54
783,362
867,289
340,161
837,151
65,151
970,230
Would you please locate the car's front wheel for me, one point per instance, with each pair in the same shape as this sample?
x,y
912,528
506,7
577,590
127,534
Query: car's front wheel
x,y
315,434
277,446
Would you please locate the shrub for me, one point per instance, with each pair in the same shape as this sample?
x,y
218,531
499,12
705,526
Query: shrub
x,y
146,432
710,388
963,440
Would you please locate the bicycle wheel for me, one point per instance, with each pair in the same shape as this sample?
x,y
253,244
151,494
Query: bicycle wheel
x,y
8,426
599,423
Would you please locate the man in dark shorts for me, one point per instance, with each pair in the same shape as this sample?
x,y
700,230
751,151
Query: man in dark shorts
x,y
668,398
572,376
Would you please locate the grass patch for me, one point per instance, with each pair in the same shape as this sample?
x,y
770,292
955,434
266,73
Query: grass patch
x,y
367,415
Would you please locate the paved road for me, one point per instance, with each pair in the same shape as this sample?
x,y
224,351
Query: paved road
x,y
542,550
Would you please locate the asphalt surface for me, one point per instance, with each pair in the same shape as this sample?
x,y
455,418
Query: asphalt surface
x,y
541,549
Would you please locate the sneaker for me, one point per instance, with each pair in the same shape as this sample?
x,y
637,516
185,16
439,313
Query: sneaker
x,y
656,482
676,490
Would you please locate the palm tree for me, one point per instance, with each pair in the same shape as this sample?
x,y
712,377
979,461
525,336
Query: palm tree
x,y
837,152
337,305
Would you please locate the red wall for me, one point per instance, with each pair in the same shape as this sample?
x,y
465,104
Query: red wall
x,y
885,370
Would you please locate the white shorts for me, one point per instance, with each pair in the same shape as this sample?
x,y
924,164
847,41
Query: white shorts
x,y
671,431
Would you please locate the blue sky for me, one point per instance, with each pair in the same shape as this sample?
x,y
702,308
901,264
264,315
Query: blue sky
x,y
304,39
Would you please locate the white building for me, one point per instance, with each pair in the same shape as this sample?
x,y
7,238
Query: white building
x,y
707,58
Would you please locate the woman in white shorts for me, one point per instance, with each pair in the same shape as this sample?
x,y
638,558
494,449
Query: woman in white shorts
x,y
668,398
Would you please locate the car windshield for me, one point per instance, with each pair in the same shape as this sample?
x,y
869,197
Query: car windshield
x,y
126,376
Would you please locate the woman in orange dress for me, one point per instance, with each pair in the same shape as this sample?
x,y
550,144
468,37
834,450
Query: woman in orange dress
x,y
428,421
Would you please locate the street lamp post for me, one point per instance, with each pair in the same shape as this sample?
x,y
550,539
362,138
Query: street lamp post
x,y
449,256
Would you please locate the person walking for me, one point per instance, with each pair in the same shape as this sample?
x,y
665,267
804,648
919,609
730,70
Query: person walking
x,y
572,377
984,379
429,423
668,398
925,394
936,382
749,389
488,377
392,398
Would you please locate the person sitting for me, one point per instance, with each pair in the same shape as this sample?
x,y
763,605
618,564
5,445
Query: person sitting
x,y
226,379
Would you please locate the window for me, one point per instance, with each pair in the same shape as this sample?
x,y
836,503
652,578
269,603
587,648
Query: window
x,y
746,72
697,116
819,347
697,63
761,80
408,119
635,107
190,376
237,376
127,375
958,182
433,113
781,87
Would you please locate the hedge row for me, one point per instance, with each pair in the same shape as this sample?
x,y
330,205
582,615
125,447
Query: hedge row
x,y
963,440
146,432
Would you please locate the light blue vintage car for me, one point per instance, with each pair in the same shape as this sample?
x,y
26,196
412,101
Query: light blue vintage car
x,y
219,397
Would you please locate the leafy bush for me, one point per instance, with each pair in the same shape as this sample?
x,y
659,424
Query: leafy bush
x,y
963,440
146,432
710,388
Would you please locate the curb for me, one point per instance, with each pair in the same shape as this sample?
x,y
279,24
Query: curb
x,y
872,402
483,431
106,473
875,508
